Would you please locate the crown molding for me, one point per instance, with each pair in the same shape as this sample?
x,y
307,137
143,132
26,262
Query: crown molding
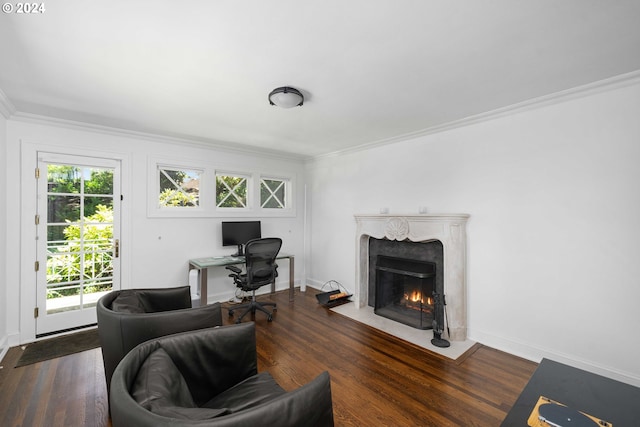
x,y
7,109
149,136
616,82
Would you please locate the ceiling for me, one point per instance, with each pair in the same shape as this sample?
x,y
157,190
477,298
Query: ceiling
x,y
371,70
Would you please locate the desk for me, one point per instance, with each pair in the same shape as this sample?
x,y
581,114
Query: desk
x,y
203,264
601,397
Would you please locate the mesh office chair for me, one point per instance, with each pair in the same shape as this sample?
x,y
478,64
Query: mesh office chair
x,y
260,269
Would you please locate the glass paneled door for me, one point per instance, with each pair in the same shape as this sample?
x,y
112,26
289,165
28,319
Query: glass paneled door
x,y
77,238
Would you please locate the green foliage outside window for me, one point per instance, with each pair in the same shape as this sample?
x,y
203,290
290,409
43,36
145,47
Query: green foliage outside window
x,y
64,261
179,188
168,178
64,182
231,191
177,198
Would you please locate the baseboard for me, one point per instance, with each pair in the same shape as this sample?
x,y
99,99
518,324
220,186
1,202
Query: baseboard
x,y
536,354
316,284
229,293
4,346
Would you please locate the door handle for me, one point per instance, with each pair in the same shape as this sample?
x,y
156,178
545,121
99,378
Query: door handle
x,y
116,248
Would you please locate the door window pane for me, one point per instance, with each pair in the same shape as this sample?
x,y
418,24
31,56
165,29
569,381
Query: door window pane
x,y
98,181
92,204
63,179
63,208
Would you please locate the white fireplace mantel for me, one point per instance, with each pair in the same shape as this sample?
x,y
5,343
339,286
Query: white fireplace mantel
x,y
449,229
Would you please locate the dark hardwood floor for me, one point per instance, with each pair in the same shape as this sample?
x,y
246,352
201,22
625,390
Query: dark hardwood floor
x,y
376,379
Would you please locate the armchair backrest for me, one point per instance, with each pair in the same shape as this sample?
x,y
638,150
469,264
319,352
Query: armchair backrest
x,y
260,256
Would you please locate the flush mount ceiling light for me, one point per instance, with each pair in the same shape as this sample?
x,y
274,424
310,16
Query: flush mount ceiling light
x,y
286,97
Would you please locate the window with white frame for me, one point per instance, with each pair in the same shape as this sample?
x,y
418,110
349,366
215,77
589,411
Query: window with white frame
x,y
274,193
232,191
178,187
181,188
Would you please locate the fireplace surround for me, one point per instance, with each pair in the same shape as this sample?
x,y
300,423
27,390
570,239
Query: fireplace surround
x,y
448,229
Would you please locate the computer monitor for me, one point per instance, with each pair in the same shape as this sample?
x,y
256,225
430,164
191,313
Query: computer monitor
x,y
237,233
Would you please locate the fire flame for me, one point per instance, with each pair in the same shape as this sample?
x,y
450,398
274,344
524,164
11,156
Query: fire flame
x,y
416,297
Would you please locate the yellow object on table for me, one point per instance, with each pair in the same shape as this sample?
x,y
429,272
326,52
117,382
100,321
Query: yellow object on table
x,y
535,421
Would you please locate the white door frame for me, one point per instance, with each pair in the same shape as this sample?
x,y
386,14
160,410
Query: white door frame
x,y
28,194
48,324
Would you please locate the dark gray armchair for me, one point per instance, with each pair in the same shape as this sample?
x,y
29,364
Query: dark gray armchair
x,y
129,317
209,378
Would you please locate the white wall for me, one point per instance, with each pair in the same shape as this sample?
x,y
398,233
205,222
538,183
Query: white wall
x,y
155,251
4,343
553,234
554,198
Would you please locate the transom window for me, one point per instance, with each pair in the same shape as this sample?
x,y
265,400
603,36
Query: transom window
x,y
179,187
273,193
231,191
182,188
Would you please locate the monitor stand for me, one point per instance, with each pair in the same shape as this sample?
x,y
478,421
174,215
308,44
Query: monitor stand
x,y
240,251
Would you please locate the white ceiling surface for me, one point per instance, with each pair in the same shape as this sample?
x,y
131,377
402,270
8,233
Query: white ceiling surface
x,y
371,70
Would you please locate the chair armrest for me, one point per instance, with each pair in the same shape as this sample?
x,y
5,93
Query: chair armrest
x,y
234,269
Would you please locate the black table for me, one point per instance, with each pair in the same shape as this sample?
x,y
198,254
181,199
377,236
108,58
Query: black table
x,y
601,397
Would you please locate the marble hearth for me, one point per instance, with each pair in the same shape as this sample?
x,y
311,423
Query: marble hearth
x,y
449,229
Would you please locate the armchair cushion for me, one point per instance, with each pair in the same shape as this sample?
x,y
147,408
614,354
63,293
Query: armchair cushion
x,y
159,382
253,391
160,388
127,302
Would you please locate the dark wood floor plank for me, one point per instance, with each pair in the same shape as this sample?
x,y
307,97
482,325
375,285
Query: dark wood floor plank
x,y
376,379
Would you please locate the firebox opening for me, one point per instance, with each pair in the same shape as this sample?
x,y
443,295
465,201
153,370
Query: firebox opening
x,y
404,290
412,272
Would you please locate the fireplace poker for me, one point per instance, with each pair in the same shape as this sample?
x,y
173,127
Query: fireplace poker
x,y
437,340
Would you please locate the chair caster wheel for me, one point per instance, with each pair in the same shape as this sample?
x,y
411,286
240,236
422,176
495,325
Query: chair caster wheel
x,y
230,313
238,322
269,318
